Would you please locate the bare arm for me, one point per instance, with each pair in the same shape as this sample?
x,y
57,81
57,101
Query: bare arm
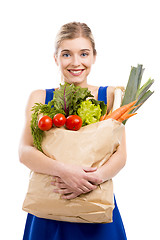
x,y
115,163
118,159
28,154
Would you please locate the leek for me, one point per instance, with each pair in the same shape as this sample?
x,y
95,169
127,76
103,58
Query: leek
x,y
141,91
135,91
133,84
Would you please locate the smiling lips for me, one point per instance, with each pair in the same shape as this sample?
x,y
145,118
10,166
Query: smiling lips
x,y
75,72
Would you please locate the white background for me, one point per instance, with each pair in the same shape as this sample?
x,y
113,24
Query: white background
x,y
126,34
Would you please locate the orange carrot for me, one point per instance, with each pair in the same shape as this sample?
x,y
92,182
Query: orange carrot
x,y
120,111
128,111
126,116
102,117
105,115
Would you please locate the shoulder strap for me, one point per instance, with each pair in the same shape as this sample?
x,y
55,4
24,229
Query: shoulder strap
x,y
102,94
49,95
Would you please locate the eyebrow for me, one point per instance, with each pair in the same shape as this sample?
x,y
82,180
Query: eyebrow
x,y
67,50
85,49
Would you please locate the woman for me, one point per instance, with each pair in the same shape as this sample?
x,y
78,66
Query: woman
x,y
74,54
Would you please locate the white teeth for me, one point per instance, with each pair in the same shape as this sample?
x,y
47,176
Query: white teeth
x,y
76,71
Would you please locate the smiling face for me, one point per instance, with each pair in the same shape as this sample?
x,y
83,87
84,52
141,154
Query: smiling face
x,y
75,58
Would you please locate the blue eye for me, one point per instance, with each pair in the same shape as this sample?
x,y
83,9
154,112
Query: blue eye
x,y
66,55
84,54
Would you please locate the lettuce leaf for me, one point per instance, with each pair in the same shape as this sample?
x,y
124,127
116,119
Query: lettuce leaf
x,y
102,105
89,112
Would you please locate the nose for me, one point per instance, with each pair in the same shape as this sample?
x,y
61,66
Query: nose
x,y
75,61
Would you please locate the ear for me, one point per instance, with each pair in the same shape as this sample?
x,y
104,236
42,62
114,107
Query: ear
x,y
56,60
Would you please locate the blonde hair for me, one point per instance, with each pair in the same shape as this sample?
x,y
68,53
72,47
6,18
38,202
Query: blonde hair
x,y
74,30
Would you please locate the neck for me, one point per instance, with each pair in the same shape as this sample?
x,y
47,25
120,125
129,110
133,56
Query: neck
x,y
83,84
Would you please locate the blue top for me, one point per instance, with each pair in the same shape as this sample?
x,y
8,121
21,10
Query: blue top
x,y
102,94
49,95
46,229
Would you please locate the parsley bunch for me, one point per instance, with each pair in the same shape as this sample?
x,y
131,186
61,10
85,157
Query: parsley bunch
x,y
38,109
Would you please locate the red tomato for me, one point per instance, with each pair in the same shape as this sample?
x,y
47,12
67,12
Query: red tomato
x,y
73,122
59,120
45,123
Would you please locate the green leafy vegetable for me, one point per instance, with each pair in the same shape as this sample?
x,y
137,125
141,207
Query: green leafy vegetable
x,y
38,109
68,98
102,105
89,112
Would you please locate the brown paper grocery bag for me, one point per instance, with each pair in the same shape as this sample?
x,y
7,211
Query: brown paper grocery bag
x,y
90,146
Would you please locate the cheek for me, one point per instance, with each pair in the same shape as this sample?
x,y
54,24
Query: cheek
x,y
89,61
64,63
62,66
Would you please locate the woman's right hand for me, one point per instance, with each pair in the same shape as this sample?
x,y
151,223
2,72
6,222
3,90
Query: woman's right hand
x,y
74,180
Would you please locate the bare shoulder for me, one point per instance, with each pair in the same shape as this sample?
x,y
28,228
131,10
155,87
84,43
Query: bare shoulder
x,y
110,96
37,96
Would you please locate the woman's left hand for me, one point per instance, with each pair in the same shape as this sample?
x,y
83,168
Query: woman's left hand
x,y
65,190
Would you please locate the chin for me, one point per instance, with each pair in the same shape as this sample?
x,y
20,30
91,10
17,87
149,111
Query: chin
x,y
74,81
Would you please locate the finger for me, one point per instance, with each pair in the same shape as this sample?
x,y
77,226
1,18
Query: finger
x,y
59,185
89,169
57,179
90,186
94,180
87,187
84,189
62,191
69,196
